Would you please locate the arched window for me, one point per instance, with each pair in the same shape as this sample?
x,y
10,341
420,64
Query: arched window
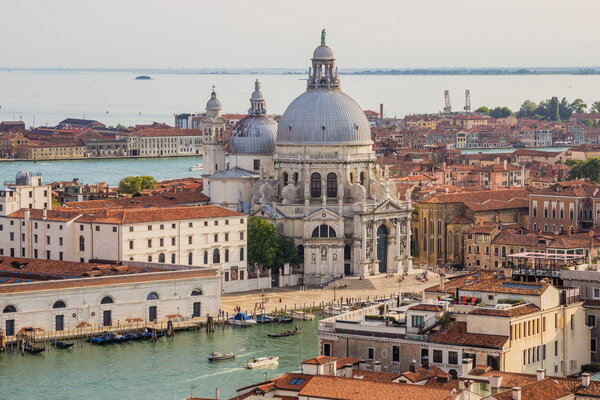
x,y
9,309
439,231
431,232
152,296
323,231
424,227
347,252
226,255
107,300
285,179
59,304
242,254
190,258
362,178
331,185
197,292
315,185
81,243
206,257
161,258
149,258
216,256
173,258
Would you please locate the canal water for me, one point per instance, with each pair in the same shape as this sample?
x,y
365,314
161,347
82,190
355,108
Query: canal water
x,y
171,369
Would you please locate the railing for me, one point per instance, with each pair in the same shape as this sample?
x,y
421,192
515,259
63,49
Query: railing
x,y
554,273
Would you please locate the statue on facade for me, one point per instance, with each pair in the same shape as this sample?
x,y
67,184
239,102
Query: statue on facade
x,y
323,253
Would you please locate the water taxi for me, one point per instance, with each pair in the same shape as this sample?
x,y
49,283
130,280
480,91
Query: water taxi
x,y
260,362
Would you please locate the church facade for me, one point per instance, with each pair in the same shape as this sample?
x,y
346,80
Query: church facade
x,y
323,187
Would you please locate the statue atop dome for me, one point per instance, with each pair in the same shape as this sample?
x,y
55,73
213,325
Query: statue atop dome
x,y
323,34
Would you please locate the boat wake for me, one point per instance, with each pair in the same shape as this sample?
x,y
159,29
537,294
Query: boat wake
x,y
225,371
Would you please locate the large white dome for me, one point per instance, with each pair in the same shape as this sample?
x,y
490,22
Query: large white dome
x,y
324,116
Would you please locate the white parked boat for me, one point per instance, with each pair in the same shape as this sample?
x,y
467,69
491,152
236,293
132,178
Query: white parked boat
x,y
260,362
197,167
241,319
302,315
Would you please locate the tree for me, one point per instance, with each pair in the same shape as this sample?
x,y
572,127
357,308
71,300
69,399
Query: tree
x,y
578,106
501,112
527,109
564,109
553,109
483,110
262,243
286,252
586,169
135,184
121,127
595,108
588,122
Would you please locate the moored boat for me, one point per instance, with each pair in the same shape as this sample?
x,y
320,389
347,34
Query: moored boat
x,y
61,345
283,320
302,315
260,362
264,319
34,349
197,167
241,319
215,356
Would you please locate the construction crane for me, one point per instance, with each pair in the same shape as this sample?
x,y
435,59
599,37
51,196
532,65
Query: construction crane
x,y
447,107
467,101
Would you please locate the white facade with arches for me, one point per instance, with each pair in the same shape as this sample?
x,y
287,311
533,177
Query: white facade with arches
x,y
111,301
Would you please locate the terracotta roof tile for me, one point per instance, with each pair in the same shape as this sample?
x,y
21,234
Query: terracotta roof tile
x,y
457,334
511,312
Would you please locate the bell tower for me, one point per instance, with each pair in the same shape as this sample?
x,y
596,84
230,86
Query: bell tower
x,y
213,126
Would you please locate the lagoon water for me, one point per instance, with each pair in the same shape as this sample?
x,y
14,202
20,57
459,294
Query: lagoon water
x,y
112,97
171,369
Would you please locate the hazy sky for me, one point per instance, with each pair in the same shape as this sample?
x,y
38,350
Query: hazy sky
x,y
283,33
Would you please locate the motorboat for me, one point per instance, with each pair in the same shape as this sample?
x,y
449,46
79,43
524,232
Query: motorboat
x,y
197,167
215,356
264,319
283,320
241,319
261,362
61,345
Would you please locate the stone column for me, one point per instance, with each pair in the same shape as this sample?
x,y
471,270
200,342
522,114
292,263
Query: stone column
x,y
407,256
364,242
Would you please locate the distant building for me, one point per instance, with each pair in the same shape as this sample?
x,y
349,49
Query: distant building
x,y
27,191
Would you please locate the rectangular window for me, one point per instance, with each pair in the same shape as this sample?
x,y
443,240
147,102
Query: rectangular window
x,y
417,321
216,237
172,241
60,255
227,237
114,228
35,238
149,243
591,320
149,227
593,345
596,293
437,356
395,354
543,352
205,223
60,241
327,349
189,240
162,226
48,255
453,357
241,235
556,347
370,353
47,239
97,228
226,276
130,244
173,226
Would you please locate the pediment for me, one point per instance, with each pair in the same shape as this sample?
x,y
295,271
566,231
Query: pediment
x,y
323,214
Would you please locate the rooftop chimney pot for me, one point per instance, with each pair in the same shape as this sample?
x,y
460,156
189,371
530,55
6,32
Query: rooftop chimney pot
x,y
516,393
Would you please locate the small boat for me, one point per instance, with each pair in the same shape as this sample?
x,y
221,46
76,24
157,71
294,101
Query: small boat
x,y
148,335
241,319
61,345
285,333
130,336
120,338
264,319
260,362
283,320
197,167
96,340
109,337
214,356
302,315
34,349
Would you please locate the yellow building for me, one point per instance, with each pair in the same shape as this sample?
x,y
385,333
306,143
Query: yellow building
x,y
47,151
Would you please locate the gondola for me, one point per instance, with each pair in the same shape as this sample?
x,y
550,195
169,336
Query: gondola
x,y
34,349
61,345
286,333
96,340
214,356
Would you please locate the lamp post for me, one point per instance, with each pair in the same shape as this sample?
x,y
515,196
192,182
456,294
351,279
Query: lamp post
x,y
334,287
262,301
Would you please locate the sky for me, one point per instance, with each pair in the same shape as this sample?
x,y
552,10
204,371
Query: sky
x,y
283,33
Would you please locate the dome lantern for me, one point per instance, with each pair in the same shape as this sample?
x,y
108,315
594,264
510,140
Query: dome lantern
x,y
323,72
213,106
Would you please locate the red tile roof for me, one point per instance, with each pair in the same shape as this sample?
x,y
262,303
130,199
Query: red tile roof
x,y
457,334
516,311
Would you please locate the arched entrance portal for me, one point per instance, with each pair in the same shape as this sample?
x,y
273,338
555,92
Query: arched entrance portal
x,y
382,242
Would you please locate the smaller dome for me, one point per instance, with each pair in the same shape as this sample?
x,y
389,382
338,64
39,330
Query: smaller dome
x,y
323,52
22,178
213,103
253,135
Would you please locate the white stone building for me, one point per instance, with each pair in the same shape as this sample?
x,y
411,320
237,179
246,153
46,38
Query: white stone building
x,y
325,190
27,191
202,236
98,296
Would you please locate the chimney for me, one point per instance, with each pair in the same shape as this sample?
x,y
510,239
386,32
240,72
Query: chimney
x,y
516,393
45,214
481,222
467,366
26,215
425,362
569,229
348,370
585,379
362,364
377,366
505,163
412,365
381,111
540,374
495,383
